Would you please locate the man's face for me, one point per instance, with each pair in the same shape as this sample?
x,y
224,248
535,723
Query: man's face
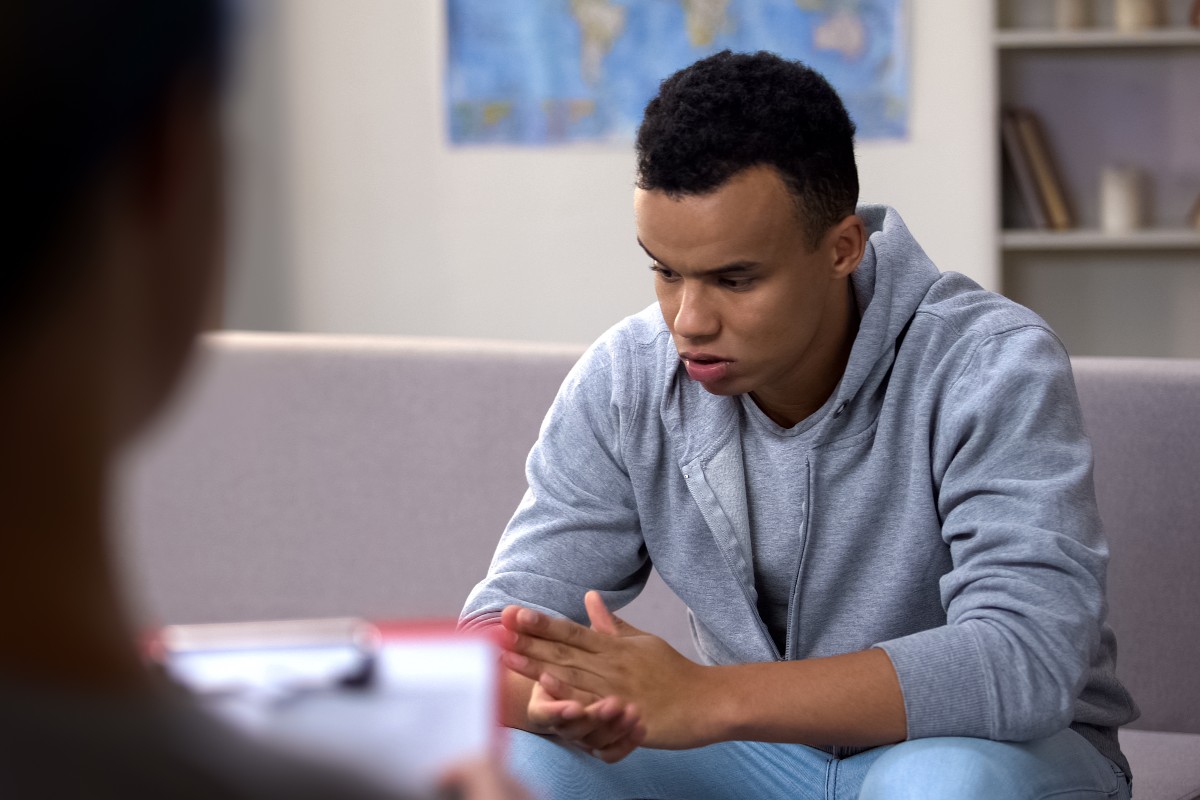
x,y
752,307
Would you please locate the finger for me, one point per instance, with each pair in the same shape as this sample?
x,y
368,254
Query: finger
x,y
508,617
550,652
577,678
584,723
580,680
545,711
593,726
619,723
575,731
622,747
556,713
575,668
521,665
601,618
607,709
604,620
562,691
542,626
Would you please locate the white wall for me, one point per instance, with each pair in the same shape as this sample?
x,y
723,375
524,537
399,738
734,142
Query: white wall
x,y
942,179
389,230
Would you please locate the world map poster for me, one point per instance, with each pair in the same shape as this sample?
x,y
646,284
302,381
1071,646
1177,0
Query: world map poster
x,y
547,72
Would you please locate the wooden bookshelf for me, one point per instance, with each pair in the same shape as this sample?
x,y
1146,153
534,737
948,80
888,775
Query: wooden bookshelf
x,y
1105,98
1150,239
1035,39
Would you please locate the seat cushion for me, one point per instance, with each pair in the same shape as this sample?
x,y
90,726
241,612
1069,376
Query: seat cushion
x,y
1166,766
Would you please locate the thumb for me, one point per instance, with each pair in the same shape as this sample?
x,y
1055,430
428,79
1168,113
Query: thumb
x,y
604,620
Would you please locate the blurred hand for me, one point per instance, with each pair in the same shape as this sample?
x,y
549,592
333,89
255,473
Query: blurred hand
x,y
480,780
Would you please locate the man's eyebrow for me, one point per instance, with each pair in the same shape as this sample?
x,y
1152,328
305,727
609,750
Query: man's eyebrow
x,y
726,269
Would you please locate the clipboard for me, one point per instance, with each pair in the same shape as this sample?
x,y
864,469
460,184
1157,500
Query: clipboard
x,y
396,701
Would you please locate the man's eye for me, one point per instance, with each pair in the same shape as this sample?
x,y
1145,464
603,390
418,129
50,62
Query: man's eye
x,y
737,283
663,272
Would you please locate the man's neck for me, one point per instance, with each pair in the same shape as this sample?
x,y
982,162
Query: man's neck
x,y
821,373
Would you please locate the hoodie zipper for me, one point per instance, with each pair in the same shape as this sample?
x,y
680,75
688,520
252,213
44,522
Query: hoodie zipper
x,y
806,504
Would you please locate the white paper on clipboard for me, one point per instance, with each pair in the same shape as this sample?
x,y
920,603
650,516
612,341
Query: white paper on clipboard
x,y
431,701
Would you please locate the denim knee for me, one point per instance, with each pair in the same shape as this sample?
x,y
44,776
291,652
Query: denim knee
x,y
936,769
549,768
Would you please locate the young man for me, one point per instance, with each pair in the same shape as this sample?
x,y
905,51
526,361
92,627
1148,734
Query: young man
x,y
867,479
112,161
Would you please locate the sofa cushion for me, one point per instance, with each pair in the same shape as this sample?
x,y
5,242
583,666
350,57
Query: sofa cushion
x,y
1166,766
1143,416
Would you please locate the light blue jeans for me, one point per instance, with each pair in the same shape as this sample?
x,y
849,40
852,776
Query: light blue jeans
x,y
1063,766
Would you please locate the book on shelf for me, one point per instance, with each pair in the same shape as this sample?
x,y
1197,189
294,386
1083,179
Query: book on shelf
x,y
1022,170
1045,173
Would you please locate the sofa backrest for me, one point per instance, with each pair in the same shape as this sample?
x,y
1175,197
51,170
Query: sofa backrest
x,y
1143,416
323,475
302,475
314,475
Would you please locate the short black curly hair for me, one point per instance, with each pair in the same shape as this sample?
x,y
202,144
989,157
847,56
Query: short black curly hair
x,y
733,111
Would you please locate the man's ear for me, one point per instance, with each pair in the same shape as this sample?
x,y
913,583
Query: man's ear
x,y
169,148
176,200
847,241
174,220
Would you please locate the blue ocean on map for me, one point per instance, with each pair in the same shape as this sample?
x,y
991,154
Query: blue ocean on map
x,y
547,72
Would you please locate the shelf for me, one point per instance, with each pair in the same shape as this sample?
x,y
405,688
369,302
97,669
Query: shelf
x,y
1041,39
1154,239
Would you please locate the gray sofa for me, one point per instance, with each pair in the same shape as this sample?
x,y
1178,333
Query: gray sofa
x,y
312,475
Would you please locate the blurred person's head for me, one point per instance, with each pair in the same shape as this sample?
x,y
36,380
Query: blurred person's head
x,y
112,154
112,160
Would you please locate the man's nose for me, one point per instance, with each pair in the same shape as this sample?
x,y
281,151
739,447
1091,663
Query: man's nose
x,y
695,318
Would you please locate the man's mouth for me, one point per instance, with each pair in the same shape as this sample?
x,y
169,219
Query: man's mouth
x,y
701,358
705,367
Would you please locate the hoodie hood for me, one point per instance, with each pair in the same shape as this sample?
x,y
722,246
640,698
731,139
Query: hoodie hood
x,y
887,298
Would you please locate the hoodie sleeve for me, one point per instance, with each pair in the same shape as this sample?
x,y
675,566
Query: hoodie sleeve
x,y
577,526
1025,596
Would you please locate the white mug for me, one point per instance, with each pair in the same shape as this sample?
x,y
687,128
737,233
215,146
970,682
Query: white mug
x,y
1131,16
1122,199
1071,15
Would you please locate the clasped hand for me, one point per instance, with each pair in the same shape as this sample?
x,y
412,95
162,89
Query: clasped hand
x,y
609,688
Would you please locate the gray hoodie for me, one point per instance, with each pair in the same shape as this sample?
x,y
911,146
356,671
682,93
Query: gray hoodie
x,y
950,517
